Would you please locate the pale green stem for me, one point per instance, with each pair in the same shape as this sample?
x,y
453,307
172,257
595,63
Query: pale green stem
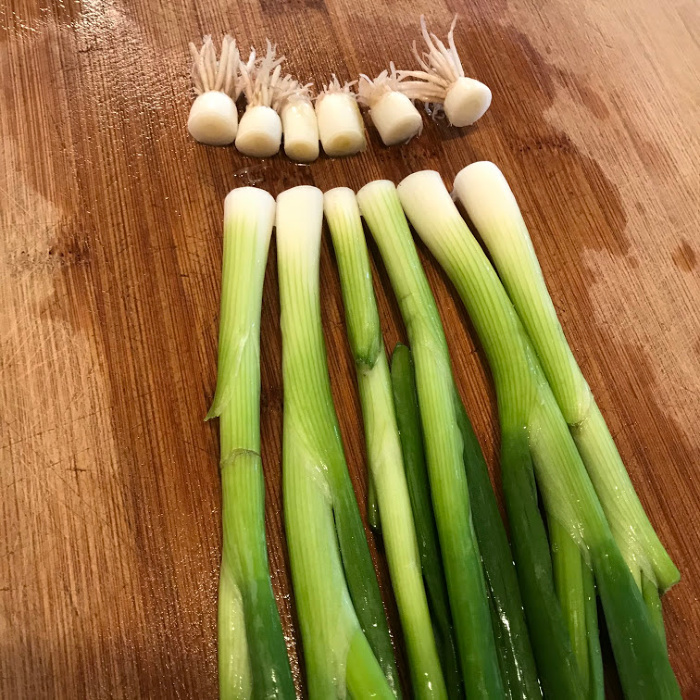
x,y
383,445
491,206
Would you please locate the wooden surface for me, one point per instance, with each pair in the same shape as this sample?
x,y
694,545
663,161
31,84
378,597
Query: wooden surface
x,y
110,257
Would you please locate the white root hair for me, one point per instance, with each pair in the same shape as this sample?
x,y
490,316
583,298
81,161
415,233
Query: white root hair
x,y
263,82
294,91
221,75
335,87
369,91
440,64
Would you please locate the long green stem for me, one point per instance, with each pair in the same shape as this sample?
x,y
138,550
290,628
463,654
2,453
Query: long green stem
x,y
576,592
344,630
556,663
650,591
596,676
492,208
527,406
383,446
567,566
512,639
410,431
381,209
252,652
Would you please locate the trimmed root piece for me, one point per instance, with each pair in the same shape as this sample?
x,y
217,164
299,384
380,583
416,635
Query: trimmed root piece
x,y
265,89
395,116
299,123
213,117
441,82
340,125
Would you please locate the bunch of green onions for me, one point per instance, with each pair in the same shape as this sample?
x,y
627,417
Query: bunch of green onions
x,y
534,433
480,616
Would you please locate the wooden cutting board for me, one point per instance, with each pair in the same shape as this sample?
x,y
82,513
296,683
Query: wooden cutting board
x,y
110,258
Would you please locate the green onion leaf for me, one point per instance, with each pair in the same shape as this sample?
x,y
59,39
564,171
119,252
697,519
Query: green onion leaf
x,y
343,626
252,652
383,446
469,604
411,434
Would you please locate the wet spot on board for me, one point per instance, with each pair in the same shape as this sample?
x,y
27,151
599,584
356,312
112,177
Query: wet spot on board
x,y
592,100
684,257
284,6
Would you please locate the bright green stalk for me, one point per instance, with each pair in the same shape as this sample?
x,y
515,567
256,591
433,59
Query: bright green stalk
x,y
383,446
512,639
573,581
408,422
650,591
252,653
343,627
551,644
381,209
596,676
528,407
372,505
491,206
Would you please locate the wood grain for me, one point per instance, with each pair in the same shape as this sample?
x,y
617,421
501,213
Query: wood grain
x,y
110,257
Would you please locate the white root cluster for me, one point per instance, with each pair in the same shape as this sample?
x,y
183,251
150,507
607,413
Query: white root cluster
x,y
213,117
279,107
274,100
393,114
441,82
340,125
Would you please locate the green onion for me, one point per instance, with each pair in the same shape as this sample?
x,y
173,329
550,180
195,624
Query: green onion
x,y
469,604
343,627
573,581
491,206
383,446
410,432
252,653
556,663
532,423
512,640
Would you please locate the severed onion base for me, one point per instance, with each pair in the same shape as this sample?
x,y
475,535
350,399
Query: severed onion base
x,y
213,119
260,132
396,118
340,124
300,131
466,101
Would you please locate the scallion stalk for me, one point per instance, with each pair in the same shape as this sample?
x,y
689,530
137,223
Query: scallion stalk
x,y
252,652
512,639
532,424
469,604
411,434
573,581
343,626
383,446
491,206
